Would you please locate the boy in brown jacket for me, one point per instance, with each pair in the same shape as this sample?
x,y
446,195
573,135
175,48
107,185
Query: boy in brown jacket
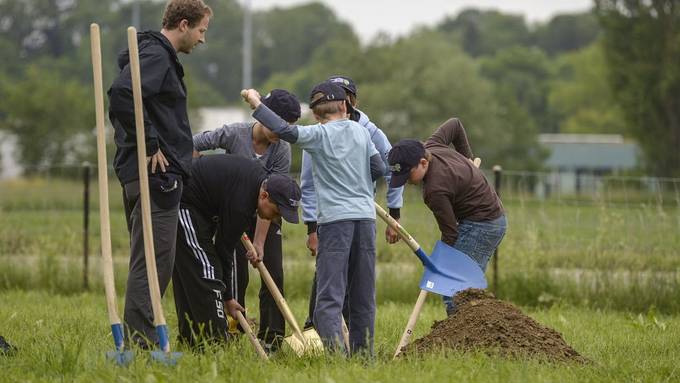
x,y
468,211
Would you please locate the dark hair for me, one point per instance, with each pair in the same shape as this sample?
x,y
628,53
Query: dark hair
x,y
192,11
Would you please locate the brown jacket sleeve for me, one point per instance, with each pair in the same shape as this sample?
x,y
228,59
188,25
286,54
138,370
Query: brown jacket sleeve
x,y
453,132
441,207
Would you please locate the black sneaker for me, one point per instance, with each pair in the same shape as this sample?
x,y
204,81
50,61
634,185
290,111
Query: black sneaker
x,y
6,348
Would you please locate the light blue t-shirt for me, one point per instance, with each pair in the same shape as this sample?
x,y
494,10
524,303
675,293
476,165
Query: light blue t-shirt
x,y
382,144
341,152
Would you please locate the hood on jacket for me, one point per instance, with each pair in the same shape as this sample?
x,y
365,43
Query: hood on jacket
x,y
144,39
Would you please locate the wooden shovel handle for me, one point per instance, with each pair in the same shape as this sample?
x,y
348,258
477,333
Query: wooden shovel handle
x,y
345,332
102,173
408,331
149,254
249,331
391,222
274,290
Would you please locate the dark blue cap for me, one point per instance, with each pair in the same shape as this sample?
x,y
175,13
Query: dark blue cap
x,y
345,82
330,92
286,194
284,104
403,156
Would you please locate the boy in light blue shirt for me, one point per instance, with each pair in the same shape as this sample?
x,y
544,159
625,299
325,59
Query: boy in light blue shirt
x,y
308,201
344,165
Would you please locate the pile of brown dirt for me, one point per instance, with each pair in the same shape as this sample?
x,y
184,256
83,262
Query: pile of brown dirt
x,y
484,323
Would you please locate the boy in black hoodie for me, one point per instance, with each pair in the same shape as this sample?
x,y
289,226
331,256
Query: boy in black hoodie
x,y
169,146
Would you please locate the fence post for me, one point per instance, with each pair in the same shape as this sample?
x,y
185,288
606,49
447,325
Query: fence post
x,y
497,172
86,222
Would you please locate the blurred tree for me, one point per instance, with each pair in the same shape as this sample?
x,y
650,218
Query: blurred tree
x,y
51,116
341,55
569,32
642,48
486,32
286,39
523,74
412,97
218,63
581,96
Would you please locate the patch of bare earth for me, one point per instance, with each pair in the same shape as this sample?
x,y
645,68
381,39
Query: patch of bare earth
x,y
484,323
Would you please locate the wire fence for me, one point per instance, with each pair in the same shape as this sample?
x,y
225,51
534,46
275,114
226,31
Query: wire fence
x,y
565,225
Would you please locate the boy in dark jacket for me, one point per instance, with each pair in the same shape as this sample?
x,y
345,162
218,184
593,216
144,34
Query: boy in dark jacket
x,y
220,201
168,144
252,140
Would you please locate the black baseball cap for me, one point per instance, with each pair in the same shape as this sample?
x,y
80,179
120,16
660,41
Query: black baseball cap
x,y
403,156
330,92
347,83
286,194
284,104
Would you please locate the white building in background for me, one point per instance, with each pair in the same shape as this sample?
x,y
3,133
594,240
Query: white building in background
x,y
577,162
214,117
202,119
9,167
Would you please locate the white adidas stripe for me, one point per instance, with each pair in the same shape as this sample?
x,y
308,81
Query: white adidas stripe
x,y
192,241
234,277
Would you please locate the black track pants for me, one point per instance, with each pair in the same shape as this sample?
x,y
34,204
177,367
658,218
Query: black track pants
x,y
197,280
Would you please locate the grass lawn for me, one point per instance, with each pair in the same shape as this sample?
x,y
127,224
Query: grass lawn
x,y
604,273
65,338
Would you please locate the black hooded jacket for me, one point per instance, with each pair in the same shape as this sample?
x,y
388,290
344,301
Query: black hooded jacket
x,y
166,122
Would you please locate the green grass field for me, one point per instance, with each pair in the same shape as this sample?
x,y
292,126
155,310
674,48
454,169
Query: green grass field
x,y
65,337
605,272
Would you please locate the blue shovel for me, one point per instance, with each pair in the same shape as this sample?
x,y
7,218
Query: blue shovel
x,y
447,271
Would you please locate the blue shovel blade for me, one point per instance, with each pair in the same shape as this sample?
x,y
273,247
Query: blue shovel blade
x,y
453,271
121,358
168,358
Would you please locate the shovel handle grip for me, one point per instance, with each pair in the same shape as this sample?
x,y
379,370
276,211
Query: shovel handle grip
x,y
391,222
274,290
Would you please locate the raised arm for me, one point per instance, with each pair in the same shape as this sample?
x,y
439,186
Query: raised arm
x,y
268,118
452,132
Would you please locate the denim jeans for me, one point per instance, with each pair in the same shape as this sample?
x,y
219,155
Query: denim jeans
x,y
478,240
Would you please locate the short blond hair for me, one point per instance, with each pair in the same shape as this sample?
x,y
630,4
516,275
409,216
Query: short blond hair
x,y
323,109
192,11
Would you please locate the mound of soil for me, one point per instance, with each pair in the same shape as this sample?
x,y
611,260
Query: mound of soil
x,y
484,323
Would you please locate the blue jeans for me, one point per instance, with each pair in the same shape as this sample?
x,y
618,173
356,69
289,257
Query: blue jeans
x,y
478,240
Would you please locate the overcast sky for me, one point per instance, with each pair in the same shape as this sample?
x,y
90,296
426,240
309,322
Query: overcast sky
x,y
368,17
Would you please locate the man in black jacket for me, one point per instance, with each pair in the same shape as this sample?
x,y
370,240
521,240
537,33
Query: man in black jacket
x,y
220,201
169,146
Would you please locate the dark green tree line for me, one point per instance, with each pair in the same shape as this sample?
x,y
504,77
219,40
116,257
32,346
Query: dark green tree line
x,y
642,48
